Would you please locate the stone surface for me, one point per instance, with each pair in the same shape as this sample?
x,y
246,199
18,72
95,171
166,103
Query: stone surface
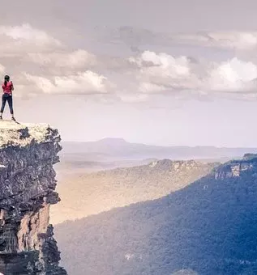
x,y
235,168
27,189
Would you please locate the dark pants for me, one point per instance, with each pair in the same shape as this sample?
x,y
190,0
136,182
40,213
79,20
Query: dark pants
x,y
7,98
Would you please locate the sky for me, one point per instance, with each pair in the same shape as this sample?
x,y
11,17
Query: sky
x,y
160,72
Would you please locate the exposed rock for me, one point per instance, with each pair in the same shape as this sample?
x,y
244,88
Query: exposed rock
x,y
27,184
235,168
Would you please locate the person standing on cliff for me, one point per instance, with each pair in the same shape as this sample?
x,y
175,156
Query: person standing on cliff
x,y
7,87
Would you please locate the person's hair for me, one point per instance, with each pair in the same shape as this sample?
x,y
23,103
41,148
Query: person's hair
x,y
6,79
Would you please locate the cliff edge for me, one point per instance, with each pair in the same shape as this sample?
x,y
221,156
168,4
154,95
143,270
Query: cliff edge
x,y
27,189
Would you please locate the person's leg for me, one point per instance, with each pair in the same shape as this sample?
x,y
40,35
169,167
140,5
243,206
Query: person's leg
x,y
3,106
10,103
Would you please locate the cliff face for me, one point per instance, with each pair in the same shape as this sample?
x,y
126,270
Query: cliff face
x,y
27,184
237,168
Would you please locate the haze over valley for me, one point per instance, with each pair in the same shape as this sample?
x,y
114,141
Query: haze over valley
x,y
111,153
164,212
160,218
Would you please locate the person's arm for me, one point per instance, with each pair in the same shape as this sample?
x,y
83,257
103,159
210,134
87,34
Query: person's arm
x,y
12,86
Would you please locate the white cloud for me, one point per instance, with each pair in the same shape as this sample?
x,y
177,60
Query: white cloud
x,y
20,40
232,76
153,74
75,60
169,64
40,63
26,33
148,88
162,73
82,83
162,67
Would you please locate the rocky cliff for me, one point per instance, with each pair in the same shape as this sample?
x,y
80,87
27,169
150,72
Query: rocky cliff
x,y
27,189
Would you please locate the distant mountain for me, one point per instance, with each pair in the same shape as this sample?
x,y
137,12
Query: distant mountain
x,y
79,164
92,193
206,228
121,149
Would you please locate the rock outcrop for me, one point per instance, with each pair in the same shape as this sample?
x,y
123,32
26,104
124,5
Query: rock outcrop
x,y
235,168
27,189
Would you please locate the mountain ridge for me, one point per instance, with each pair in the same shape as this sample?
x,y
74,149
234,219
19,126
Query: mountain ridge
x,y
120,148
123,186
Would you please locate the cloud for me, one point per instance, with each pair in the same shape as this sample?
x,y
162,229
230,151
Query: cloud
x,y
148,88
237,40
232,76
150,73
66,61
26,33
128,35
164,74
62,62
135,37
82,83
18,40
39,63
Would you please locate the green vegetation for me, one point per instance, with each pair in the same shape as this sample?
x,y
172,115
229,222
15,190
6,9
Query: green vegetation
x,y
208,227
